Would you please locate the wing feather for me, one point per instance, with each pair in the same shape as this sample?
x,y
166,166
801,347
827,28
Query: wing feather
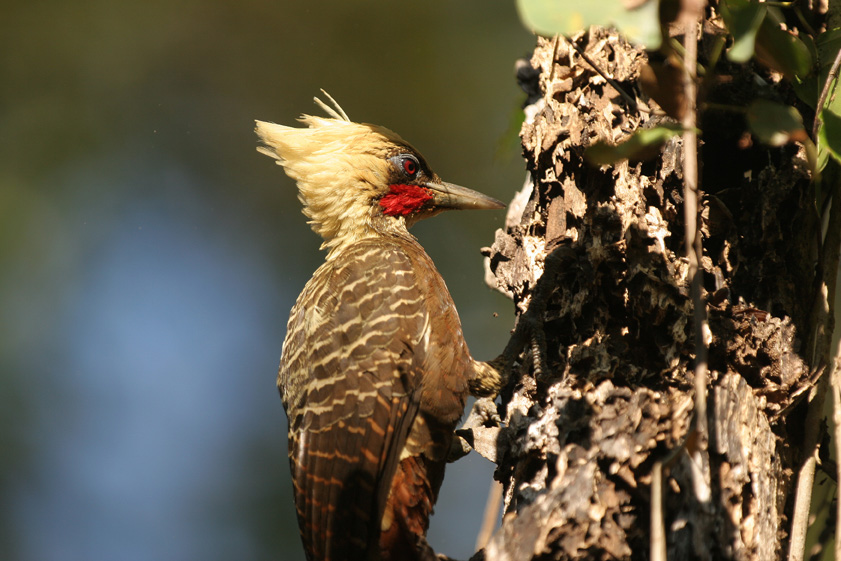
x,y
350,379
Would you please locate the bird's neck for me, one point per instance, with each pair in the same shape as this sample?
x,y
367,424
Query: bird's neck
x,y
375,226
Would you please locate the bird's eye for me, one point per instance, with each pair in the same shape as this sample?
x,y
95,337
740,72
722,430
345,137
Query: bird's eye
x,y
410,165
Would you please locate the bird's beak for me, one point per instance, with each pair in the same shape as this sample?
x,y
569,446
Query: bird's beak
x,y
450,196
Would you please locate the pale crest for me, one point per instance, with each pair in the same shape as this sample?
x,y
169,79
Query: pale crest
x,y
340,168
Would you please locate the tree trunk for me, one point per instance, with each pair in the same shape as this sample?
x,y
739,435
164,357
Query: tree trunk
x,y
614,397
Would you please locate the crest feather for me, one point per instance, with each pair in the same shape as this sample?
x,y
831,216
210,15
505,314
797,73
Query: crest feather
x,y
340,167
336,111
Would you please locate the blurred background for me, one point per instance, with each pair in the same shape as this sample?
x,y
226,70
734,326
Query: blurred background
x,y
149,256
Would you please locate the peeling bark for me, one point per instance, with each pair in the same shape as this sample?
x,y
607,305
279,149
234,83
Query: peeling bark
x,y
580,439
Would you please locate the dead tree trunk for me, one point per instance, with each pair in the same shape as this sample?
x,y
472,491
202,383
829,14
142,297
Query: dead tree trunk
x,y
615,392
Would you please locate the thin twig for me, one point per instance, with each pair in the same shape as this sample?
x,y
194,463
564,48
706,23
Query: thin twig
x,y
658,524
692,197
835,381
818,350
833,73
491,515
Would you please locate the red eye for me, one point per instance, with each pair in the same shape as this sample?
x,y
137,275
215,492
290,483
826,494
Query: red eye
x,y
410,166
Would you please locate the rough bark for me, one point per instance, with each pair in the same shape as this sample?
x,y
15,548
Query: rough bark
x,y
580,438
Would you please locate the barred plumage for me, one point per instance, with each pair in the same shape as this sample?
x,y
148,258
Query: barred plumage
x,y
375,371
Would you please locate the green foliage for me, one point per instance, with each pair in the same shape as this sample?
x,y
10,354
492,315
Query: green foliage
x,y
829,135
743,19
782,50
775,124
827,46
550,17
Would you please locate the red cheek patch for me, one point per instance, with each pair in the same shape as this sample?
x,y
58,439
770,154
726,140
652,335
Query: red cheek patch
x,y
403,200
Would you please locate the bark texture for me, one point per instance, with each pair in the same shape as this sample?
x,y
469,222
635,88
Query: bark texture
x,y
615,395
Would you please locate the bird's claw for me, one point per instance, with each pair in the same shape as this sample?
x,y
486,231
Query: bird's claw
x,y
481,432
483,414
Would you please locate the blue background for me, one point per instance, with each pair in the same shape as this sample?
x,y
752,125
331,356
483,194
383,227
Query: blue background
x,y
149,255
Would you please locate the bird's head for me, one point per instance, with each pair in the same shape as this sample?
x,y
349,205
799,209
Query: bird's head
x,y
359,180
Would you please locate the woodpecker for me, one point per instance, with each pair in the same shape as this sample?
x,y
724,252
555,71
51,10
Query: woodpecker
x,y
375,370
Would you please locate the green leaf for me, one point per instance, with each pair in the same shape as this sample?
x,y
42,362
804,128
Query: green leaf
x,y
641,144
829,135
828,45
743,19
550,17
775,124
806,87
781,50
807,90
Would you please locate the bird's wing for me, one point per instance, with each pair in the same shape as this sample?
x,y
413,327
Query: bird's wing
x,y
350,376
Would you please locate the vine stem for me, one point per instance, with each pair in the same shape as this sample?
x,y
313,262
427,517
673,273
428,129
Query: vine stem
x,y
699,453
818,351
830,78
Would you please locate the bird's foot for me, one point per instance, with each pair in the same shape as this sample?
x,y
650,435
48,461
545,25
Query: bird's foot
x,y
482,431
